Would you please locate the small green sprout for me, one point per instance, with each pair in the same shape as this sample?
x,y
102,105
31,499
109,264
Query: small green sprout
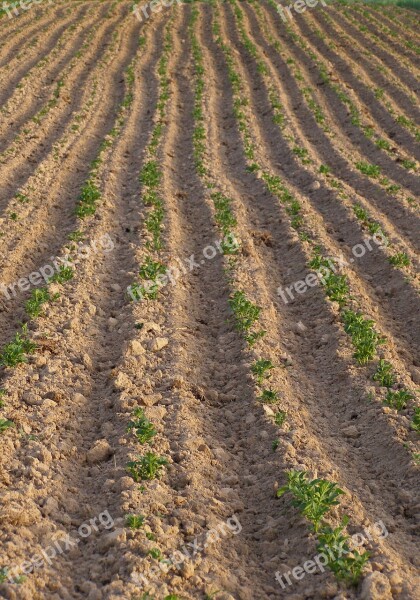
x,y
142,428
134,521
14,353
63,274
400,259
314,498
5,424
269,396
398,399
384,374
261,369
146,467
280,417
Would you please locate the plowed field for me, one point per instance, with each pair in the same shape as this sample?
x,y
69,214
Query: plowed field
x,y
209,301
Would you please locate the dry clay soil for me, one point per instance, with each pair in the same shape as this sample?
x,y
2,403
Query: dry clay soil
x,y
63,73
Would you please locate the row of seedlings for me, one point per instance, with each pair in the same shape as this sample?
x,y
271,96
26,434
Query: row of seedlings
x,y
320,494
364,167
380,93
21,346
397,257
148,465
365,339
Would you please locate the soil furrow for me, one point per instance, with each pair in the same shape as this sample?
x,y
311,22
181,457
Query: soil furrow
x,y
406,223
354,401
390,42
78,489
374,266
386,56
40,145
21,106
25,36
15,73
398,95
379,114
34,252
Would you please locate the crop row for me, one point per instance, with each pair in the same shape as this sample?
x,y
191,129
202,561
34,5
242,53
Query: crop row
x,y
332,180
337,286
21,346
246,313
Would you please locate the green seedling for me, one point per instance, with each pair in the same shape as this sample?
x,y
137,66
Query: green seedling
x,y
383,145
346,564
89,195
246,313
40,296
398,399
146,467
280,417
302,153
367,169
142,428
336,287
415,423
275,444
155,553
400,259
5,424
150,271
408,164
150,536
134,521
384,374
22,197
14,353
76,236
63,274
313,498
14,216
151,174
269,396
325,169
261,369
361,213
224,217
363,335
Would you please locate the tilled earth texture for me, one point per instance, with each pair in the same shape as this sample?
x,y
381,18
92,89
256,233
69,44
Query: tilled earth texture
x,y
209,300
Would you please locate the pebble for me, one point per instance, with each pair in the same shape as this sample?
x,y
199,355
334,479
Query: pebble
x,y
31,399
150,399
99,452
136,348
376,586
299,328
158,343
351,432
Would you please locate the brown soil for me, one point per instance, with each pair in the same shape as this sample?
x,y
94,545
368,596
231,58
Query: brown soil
x,y
99,355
